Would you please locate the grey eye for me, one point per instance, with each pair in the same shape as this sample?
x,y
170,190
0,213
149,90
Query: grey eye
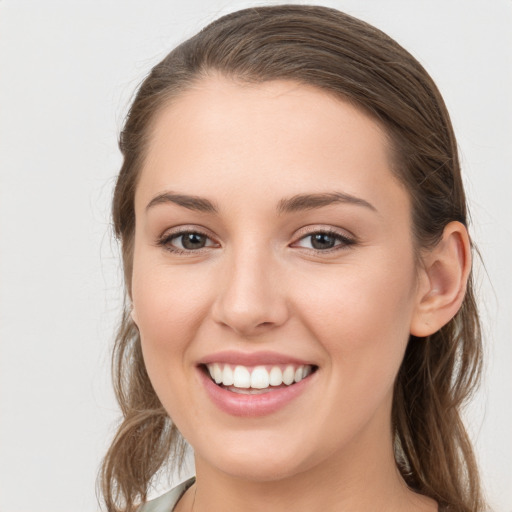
x,y
321,241
324,240
191,241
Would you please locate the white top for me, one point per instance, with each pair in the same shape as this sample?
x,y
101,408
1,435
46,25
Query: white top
x,y
167,501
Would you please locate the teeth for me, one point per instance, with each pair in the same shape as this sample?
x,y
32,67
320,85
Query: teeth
x,y
227,376
217,373
241,377
276,376
259,377
289,375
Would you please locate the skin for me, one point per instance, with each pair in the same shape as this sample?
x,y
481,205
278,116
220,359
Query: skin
x,y
259,285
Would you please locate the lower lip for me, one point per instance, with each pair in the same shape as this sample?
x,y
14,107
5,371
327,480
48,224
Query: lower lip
x,y
238,404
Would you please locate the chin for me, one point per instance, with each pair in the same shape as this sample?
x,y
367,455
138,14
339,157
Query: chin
x,y
260,462
266,470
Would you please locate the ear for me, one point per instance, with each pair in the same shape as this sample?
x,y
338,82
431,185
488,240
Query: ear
x,y
442,281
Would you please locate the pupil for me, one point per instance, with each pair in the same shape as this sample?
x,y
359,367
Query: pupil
x,y
193,241
322,241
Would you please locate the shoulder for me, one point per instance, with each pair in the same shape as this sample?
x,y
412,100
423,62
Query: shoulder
x,y
167,501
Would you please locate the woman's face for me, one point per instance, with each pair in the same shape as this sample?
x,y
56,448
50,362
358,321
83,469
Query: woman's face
x,y
272,242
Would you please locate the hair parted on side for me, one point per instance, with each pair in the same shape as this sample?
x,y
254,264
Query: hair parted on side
x,y
348,58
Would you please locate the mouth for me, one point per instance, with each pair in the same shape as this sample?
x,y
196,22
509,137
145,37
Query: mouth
x,y
255,380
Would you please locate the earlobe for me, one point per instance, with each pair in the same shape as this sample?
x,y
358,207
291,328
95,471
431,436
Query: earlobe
x,y
443,281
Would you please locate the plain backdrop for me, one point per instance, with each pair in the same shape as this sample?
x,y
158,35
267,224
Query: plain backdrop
x,y
67,71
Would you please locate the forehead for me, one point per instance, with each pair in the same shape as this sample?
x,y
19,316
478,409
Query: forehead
x,y
271,139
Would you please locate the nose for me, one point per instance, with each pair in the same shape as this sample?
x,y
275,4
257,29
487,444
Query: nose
x,y
251,297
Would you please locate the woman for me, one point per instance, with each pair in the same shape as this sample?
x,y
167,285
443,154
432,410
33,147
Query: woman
x,y
298,270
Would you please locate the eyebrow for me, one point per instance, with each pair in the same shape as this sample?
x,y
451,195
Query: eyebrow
x,y
299,202
199,204
303,202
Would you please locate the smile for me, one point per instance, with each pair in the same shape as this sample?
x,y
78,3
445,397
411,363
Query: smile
x,y
255,385
257,379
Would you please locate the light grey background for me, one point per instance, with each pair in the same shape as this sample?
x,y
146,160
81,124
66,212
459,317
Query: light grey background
x,y
67,71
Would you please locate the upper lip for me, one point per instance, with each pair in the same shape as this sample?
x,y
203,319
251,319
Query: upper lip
x,y
251,359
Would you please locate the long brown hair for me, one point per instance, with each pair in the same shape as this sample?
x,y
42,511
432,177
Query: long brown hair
x,y
348,58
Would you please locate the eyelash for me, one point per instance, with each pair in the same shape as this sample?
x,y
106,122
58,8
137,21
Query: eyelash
x,y
166,239
341,241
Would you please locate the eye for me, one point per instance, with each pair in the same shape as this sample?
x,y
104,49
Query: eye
x,y
186,241
324,241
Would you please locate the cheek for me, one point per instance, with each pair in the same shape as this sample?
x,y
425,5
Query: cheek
x,y
364,331
170,304
167,299
170,308
362,318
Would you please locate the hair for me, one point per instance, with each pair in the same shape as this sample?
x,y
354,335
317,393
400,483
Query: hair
x,y
356,62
